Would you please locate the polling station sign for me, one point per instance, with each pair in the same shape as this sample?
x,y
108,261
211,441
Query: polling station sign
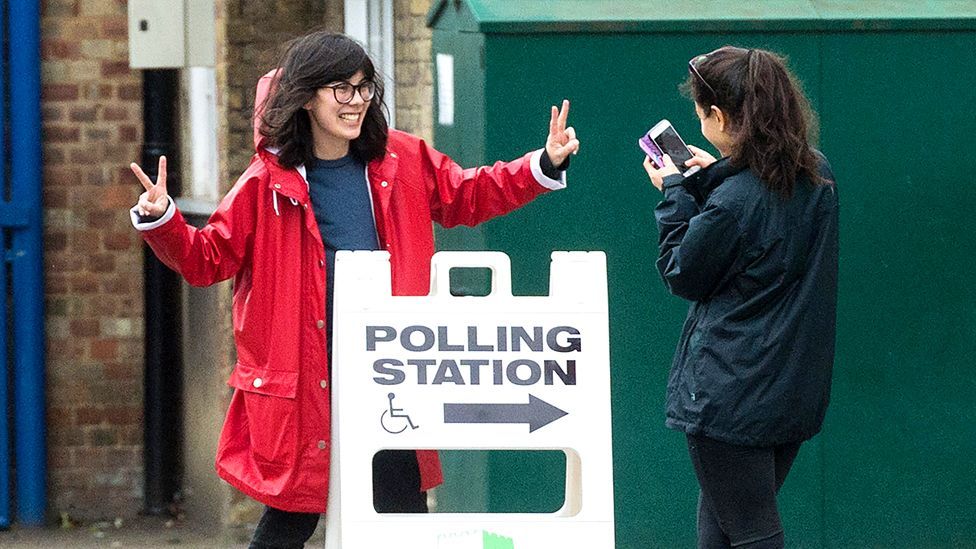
x,y
453,373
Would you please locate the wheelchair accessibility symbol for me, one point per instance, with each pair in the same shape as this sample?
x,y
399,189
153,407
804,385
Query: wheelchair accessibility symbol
x,y
393,420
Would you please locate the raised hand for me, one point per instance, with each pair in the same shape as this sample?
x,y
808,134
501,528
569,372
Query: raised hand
x,y
154,201
562,140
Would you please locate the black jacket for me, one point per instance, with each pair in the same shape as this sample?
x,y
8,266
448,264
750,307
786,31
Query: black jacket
x,y
754,361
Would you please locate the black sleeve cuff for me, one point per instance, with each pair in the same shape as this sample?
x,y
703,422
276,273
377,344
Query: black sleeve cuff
x,y
673,180
149,218
550,171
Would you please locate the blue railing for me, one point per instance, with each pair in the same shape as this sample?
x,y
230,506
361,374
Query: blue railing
x,y
21,272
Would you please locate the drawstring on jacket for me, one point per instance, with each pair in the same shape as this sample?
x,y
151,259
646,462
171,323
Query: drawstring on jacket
x,y
274,199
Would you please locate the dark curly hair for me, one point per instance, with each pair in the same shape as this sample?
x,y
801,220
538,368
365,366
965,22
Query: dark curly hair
x,y
770,119
308,64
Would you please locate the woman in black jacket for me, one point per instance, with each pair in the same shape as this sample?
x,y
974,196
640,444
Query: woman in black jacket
x,y
751,241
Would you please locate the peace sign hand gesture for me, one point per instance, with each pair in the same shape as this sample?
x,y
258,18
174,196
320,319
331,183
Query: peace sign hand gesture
x,y
154,201
562,140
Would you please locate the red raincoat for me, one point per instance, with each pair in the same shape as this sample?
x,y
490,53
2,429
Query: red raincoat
x,y
274,445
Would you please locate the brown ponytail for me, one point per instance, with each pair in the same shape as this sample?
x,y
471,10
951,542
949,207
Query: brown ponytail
x,y
771,122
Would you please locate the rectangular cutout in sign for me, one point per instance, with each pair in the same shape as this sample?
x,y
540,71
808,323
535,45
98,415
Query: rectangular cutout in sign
x,y
538,485
470,282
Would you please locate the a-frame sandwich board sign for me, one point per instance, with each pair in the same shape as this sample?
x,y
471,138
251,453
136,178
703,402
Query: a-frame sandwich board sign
x,y
456,373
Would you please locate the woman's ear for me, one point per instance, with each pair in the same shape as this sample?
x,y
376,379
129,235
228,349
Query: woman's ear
x,y
720,117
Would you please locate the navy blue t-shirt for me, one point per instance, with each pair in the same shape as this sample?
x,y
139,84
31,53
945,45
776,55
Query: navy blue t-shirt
x,y
343,210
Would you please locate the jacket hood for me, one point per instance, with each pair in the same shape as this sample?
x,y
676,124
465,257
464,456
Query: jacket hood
x,y
265,84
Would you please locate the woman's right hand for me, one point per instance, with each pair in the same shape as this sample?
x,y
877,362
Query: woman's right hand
x,y
154,201
702,159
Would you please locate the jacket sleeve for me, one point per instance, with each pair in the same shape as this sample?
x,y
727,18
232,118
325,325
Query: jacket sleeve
x,y
214,252
461,196
697,245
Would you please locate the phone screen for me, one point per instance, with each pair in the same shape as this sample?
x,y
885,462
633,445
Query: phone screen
x,y
672,145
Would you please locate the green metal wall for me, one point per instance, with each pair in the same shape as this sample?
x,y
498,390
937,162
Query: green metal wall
x,y
901,434
893,467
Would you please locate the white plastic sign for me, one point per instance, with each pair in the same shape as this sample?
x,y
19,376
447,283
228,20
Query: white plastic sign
x,y
490,372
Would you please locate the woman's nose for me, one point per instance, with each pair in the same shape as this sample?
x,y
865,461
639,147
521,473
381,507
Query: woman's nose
x,y
357,98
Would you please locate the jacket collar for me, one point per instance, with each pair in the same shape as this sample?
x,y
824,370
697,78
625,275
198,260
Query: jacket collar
x,y
291,183
701,184
284,181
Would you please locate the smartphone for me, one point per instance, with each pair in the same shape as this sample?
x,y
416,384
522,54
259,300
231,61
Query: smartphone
x,y
651,149
667,141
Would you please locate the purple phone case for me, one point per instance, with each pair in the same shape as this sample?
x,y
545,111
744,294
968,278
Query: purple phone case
x,y
652,150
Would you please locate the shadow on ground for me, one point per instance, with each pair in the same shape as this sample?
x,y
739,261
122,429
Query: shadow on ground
x,y
135,532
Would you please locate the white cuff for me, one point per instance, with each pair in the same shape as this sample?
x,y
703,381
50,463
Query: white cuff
x,y
149,225
551,184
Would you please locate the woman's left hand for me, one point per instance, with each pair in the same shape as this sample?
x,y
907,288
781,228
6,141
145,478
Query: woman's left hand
x,y
657,175
562,140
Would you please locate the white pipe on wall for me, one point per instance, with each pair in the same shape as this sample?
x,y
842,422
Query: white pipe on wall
x,y
371,22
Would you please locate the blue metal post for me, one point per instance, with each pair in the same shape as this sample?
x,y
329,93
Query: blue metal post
x,y
4,393
27,262
4,423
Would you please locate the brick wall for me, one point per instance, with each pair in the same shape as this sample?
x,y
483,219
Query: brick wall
x,y
414,72
91,105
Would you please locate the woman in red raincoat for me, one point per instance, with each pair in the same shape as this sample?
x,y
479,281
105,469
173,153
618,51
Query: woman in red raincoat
x,y
328,174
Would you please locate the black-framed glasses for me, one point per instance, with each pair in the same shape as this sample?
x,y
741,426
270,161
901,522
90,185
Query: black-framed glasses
x,y
694,69
344,91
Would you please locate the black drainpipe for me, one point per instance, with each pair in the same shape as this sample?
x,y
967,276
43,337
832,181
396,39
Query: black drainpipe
x,y
163,380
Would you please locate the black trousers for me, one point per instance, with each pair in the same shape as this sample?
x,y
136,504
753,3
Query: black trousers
x,y
396,489
737,501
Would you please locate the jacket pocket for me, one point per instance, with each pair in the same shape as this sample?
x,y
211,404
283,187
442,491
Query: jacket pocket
x,y
262,381
271,412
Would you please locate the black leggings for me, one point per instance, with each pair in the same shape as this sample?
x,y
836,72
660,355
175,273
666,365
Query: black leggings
x,y
737,500
396,489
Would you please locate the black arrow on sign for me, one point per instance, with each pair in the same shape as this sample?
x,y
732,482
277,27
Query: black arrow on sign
x,y
537,413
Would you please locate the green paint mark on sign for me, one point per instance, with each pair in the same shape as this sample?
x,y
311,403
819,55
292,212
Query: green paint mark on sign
x,y
494,541
474,539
